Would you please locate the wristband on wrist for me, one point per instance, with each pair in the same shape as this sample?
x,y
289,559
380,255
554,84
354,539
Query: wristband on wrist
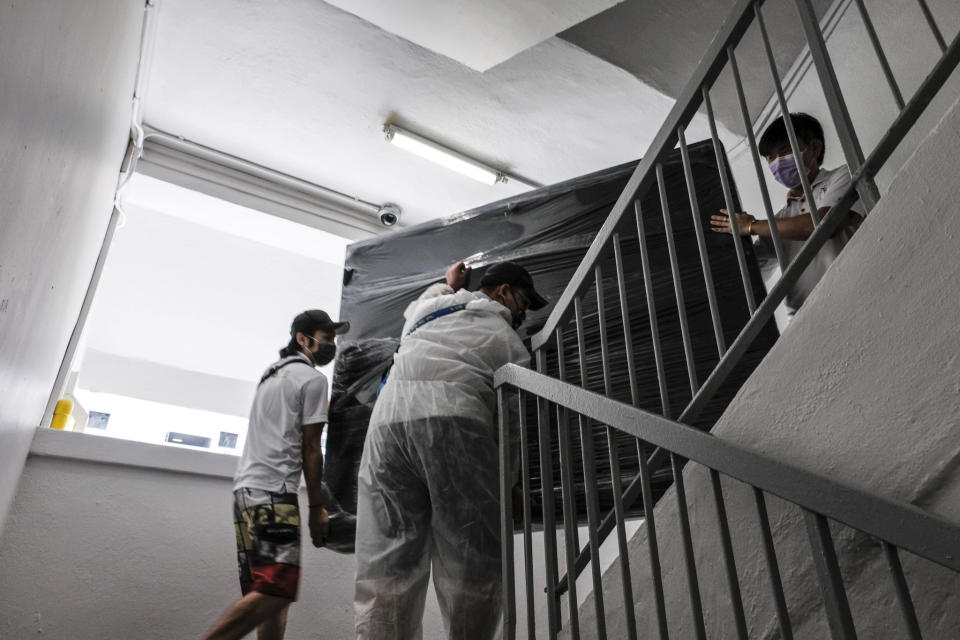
x,y
750,227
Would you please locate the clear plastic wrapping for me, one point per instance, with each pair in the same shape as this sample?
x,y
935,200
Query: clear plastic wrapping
x,y
548,231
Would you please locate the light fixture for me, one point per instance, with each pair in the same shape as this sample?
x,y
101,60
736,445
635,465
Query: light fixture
x,y
448,158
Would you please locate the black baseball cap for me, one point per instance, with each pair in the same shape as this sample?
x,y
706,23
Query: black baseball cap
x,y
314,320
513,274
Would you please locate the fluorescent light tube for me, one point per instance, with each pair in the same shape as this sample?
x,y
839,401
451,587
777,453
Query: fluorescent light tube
x,y
441,155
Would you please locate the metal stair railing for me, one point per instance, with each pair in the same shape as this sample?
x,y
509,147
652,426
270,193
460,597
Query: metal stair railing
x,y
897,525
620,227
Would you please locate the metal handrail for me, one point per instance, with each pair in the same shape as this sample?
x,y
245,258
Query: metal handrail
x,y
649,175
900,523
897,524
868,169
608,237
730,33
778,292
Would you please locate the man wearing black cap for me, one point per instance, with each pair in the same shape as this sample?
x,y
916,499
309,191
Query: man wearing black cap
x,y
286,422
428,482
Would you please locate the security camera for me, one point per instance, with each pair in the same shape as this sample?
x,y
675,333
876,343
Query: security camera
x,y
389,214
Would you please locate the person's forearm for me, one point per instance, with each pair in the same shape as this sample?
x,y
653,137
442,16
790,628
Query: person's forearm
x,y
796,228
313,474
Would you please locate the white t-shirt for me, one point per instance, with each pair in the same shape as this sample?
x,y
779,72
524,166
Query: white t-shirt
x,y
294,396
828,188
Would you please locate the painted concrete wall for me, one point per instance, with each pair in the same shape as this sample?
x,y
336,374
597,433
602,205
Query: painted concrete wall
x,y
151,550
861,388
95,550
137,378
66,78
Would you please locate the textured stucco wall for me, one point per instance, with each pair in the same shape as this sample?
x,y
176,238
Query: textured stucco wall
x,y
66,80
862,388
95,551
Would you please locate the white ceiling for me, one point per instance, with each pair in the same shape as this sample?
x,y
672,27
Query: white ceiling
x,y
662,41
303,87
478,34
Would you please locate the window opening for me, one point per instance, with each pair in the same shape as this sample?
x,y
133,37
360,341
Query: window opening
x,y
196,298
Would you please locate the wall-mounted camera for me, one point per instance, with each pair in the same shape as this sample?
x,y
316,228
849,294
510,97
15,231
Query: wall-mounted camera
x,y
389,214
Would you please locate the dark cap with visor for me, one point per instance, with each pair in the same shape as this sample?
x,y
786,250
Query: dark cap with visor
x,y
513,274
316,320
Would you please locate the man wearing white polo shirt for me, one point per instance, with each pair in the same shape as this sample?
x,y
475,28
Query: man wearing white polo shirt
x,y
286,423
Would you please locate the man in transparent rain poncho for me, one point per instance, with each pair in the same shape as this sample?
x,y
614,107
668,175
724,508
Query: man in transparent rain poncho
x,y
428,489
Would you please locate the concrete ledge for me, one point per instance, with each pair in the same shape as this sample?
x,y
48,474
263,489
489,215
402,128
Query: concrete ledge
x,y
52,443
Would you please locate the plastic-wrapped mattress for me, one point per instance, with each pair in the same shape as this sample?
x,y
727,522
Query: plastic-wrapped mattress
x,y
548,231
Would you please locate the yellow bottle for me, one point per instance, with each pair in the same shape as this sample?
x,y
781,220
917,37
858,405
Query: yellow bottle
x,y
62,418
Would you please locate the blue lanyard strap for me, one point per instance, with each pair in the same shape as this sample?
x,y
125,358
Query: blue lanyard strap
x,y
439,313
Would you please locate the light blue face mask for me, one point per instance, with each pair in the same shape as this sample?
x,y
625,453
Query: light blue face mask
x,y
785,171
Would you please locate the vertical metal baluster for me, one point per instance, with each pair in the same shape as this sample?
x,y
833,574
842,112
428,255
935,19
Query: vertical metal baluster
x,y
652,312
571,541
616,486
693,584
881,57
602,320
506,523
677,283
627,333
828,572
728,200
645,482
729,561
787,120
903,591
590,481
527,515
549,505
852,152
933,25
757,165
701,244
773,567
653,547
625,318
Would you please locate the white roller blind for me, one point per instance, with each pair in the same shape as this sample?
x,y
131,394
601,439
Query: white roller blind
x,y
217,174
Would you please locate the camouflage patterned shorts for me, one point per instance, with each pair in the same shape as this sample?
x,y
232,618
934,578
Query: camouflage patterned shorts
x,y
268,541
